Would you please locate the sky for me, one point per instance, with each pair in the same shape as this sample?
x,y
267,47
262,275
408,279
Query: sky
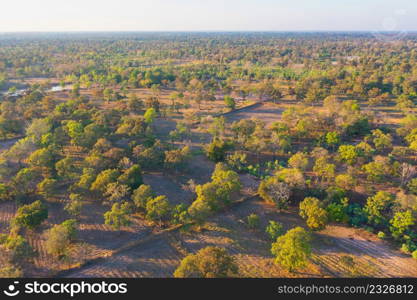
x,y
208,15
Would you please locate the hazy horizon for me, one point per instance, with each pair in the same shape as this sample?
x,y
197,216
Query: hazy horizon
x,y
214,16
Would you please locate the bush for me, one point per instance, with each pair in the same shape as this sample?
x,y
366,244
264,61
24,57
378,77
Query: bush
x,y
253,221
180,214
274,230
381,235
299,161
4,192
414,254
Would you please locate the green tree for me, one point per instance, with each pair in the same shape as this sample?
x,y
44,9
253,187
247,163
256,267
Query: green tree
x,y
216,150
59,237
199,210
253,221
379,208
116,192
338,212
315,215
158,209
118,216
230,102
142,195
31,215
42,158
381,140
19,247
131,177
150,115
292,250
401,223
209,262
75,205
299,161
48,187
332,139
75,131
103,179
226,178
274,230
348,154
66,168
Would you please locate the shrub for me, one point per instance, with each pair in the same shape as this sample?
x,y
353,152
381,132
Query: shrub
x,y
253,221
381,235
274,230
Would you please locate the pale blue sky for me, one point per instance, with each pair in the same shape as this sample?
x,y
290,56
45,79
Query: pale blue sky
x,y
208,15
